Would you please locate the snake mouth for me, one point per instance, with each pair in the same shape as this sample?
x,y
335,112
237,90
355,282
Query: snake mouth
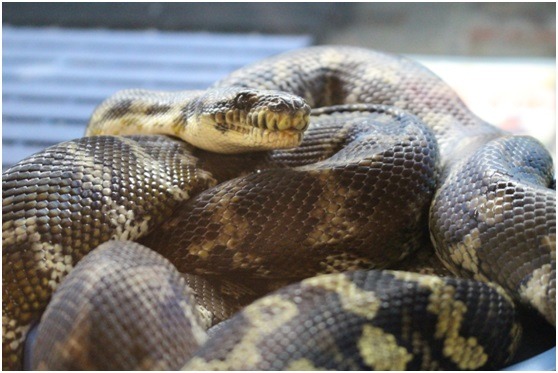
x,y
246,122
273,121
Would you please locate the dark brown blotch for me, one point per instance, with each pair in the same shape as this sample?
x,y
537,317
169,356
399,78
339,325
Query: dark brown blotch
x,y
244,101
118,110
157,109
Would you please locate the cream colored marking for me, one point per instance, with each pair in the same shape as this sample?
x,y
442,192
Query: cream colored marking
x,y
491,211
465,352
353,299
516,332
234,229
9,235
330,211
503,293
332,57
75,344
193,315
549,242
51,258
13,335
426,281
438,120
266,316
400,104
206,316
387,75
125,224
464,254
302,364
440,123
344,262
420,346
380,350
537,292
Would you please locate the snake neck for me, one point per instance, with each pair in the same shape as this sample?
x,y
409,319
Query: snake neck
x,y
144,112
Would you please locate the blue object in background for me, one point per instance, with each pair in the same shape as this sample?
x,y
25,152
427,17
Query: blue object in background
x,y
544,361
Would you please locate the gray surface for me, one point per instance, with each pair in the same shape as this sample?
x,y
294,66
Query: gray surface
x,y
53,78
278,18
466,28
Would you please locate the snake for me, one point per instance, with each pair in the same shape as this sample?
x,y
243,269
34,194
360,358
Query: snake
x,y
281,219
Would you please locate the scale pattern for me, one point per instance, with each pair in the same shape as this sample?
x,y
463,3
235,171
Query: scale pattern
x,y
63,202
387,140
363,320
507,218
92,333
339,210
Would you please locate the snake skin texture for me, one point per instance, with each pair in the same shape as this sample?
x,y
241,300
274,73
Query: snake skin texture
x,y
63,202
491,241
339,211
524,231
366,320
170,331
391,160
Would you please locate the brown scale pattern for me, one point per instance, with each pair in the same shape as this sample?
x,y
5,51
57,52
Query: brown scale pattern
x,y
367,320
368,77
63,202
96,335
504,220
219,298
373,77
354,171
266,223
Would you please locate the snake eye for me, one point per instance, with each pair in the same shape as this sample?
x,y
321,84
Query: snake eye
x,y
279,105
245,100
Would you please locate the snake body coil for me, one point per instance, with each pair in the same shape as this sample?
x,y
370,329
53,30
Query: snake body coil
x,y
391,156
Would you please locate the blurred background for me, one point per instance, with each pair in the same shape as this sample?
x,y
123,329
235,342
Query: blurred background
x,y
464,29
61,59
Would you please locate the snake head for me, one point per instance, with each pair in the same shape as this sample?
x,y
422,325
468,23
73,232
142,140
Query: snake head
x,y
243,119
272,110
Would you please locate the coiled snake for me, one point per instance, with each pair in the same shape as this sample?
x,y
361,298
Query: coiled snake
x,y
391,159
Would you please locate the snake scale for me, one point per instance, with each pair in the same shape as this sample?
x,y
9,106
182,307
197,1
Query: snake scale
x,y
287,247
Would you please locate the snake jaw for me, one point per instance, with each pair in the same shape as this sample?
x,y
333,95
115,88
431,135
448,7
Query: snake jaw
x,y
241,120
270,110
272,121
